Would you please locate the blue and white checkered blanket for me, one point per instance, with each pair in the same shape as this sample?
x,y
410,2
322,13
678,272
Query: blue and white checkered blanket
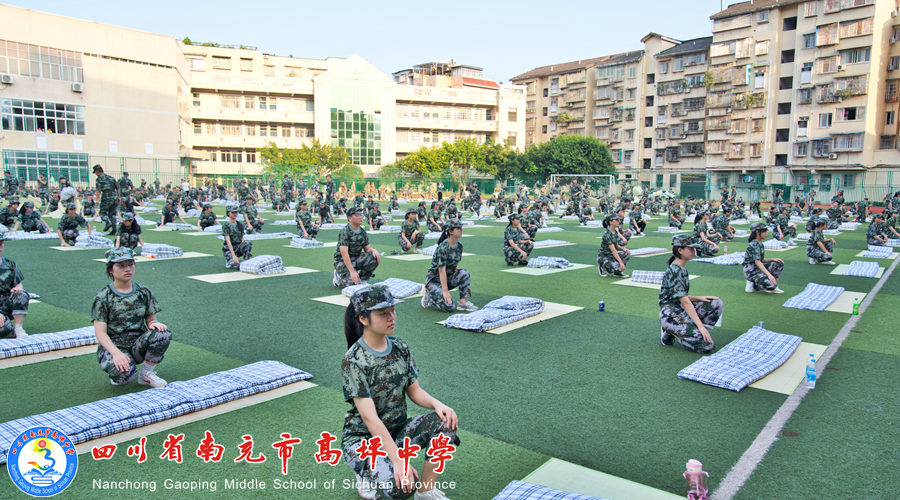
x,y
741,232
22,235
141,221
803,236
432,235
213,229
520,490
862,269
399,288
878,252
43,342
401,213
429,250
849,225
299,242
178,226
815,297
263,236
891,242
729,259
654,277
146,210
739,222
647,250
332,225
194,212
551,229
749,358
263,264
499,312
160,250
796,218
85,240
831,232
284,222
775,244
594,223
668,229
549,243
285,212
128,411
545,262
389,229
570,217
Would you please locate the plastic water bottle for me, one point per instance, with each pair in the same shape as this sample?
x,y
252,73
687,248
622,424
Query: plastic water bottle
x,y
856,306
811,372
726,249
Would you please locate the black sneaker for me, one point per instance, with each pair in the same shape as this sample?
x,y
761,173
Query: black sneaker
x,y
603,273
666,338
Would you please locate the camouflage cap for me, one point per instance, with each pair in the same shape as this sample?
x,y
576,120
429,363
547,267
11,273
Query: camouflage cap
x,y
232,207
878,215
613,217
248,197
28,204
125,174
127,216
70,206
14,199
452,224
206,204
410,211
512,217
684,240
759,226
353,211
301,203
97,167
372,297
119,254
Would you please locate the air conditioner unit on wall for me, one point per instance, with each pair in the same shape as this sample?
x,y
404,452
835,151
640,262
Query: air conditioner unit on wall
x,y
841,67
77,87
832,156
7,79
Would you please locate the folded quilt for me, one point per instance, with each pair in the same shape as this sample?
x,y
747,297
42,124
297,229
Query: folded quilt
x,y
803,236
741,232
398,212
796,218
85,240
141,221
499,312
668,229
160,250
389,229
43,342
263,236
22,235
284,223
399,288
594,223
814,297
178,226
520,490
549,243
831,232
285,212
194,212
432,235
878,252
429,250
850,225
544,262
655,277
740,221
570,217
146,210
332,225
128,411
552,229
299,242
891,242
862,269
729,259
263,264
753,217
749,358
213,229
647,250
775,244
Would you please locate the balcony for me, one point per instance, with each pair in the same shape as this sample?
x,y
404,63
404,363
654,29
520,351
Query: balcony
x,y
243,83
225,168
446,124
211,113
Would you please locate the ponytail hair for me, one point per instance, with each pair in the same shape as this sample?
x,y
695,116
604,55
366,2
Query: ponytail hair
x,y
444,235
697,218
353,328
675,255
754,234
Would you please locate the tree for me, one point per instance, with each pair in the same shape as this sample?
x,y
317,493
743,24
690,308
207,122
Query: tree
x,y
315,158
187,41
570,154
465,155
425,162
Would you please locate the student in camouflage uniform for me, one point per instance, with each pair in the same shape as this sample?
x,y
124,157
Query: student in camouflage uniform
x,y
819,248
379,373
10,213
636,222
88,205
410,235
421,213
434,218
125,185
109,198
721,224
394,205
675,218
529,224
355,260
128,334
890,224
30,219
875,234
784,228
305,226
444,275
376,219
683,317
835,215
235,249
287,188
704,235
13,298
761,273
243,191
517,245
11,183
169,213
68,226
254,222
207,217
612,256
129,233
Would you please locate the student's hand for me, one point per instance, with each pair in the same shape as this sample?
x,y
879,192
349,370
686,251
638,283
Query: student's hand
x,y
17,288
406,483
447,298
705,333
447,415
354,277
778,261
707,298
376,255
773,280
156,325
235,258
524,255
121,361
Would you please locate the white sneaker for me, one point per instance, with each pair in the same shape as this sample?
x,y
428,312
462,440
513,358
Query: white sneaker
x,y
432,494
792,242
466,306
20,332
830,263
602,272
426,301
812,261
113,382
151,379
776,290
365,489
418,250
335,280
749,288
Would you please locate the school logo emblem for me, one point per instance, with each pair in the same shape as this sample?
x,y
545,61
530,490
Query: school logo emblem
x,y
42,461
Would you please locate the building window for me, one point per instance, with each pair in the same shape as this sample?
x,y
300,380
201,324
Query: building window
x,y
809,41
826,34
648,121
858,27
848,142
806,73
649,100
246,64
27,165
804,96
887,142
546,92
889,117
648,142
40,62
893,63
544,110
627,158
852,113
648,163
651,78
821,148
759,80
762,47
802,127
543,129
664,67
809,8
195,99
801,149
785,83
755,150
787,56
790,24
824,120
780,160
762,16
782,135
220,62
198,128
784,108
856,55
269,69
34,116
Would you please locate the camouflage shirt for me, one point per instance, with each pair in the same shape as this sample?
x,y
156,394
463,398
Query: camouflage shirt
x,y
382,376
446,256
242,191
700,227
675,284
8,217
875,228
783,221
329,188
756,251
249,211
33,218
420,213
169,214
305,217
814,237
208,219
125,315
88,206
66,223
834,213
435,214
134,229
514,233
408,228
106,184
10,275
355,241
609,237
234,232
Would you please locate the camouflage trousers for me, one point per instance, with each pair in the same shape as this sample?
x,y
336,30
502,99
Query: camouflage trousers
x,y
129,240
513,256
759,278
416,242
706,249
242,251
833,224
377,223
151,346
33,226
675,223
312,231
676,324
12,304
69,235
871,240
256,226
638,226
725,235
814,252
364,264
531,231
432,227
420,429
435,294
609,264
108,205
789,232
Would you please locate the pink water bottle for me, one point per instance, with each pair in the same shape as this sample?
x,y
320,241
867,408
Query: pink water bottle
x,y
696,479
